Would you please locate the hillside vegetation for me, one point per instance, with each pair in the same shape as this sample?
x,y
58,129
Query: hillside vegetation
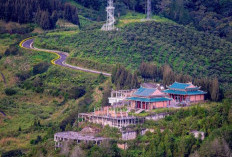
x,y
37,98
172,136
188,51
213,16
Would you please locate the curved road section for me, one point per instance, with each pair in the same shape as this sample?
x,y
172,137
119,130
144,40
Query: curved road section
x,y
28,44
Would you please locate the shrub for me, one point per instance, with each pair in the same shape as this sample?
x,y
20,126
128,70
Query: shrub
x,y
23,75
76,92
40,68
10,91
12,153
36,141
100,88
12,50
39,89
101,78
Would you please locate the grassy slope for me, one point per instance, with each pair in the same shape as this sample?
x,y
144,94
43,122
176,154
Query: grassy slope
x,y
133,17
6,40
88,14
22,108
188,51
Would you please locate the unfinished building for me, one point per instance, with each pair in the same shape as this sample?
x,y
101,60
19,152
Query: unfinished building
x,y
111,117
76,137
118,97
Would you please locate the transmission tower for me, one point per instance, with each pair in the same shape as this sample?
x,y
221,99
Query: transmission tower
x,y
148,9
110,17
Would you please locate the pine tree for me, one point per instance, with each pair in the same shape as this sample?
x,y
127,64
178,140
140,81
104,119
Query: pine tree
x,y
160,150
113,76
128,82
168,75
68,127
27,14
215,90
135,83
45,21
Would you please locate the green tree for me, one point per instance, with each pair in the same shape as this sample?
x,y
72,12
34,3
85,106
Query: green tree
x,y
68,127
45,21
160,150
215,90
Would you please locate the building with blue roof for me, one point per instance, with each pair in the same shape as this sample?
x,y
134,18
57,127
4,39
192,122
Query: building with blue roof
x,y
185,92
148,99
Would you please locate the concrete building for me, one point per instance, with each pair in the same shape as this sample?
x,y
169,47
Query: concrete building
x,y
131,133
76,137
111,117
119,96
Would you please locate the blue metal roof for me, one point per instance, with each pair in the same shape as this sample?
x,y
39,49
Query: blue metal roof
x,y
177,85
144,91
149,99
197,92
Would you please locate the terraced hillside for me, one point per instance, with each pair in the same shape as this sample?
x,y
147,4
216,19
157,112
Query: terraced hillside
x,y
186,50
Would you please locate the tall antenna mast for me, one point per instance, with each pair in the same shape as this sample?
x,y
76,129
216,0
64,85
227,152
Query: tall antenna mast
x,y
110,17
148,9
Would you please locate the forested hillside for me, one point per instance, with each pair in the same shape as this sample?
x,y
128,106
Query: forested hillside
x,y
173,136
187,40
213,16
186,50
43,12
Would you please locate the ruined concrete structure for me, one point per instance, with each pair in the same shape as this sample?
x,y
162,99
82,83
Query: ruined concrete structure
x,y
76,137
129,135
111,117
132,133
198,134
119,96
158,116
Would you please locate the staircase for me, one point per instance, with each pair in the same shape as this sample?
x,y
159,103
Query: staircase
x,y
139,111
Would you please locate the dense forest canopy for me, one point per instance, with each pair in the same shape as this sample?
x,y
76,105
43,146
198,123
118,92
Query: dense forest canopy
x,y
43,12
213,16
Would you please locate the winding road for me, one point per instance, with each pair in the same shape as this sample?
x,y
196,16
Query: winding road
x,y
28,44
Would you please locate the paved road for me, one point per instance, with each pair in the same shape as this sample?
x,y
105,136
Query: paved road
x,y
62,58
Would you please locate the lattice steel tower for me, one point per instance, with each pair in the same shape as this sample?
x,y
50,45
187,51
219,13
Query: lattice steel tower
x,y
110,17
148,9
